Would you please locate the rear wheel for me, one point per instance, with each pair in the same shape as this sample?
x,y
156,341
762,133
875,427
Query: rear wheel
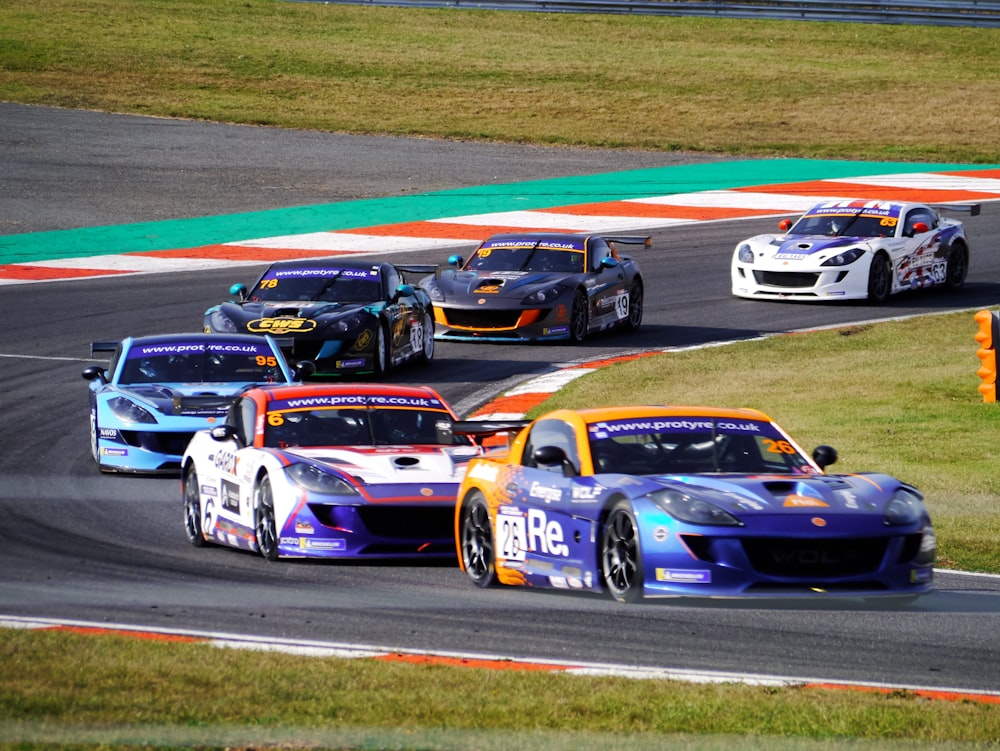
x,y
621,566
192,509
958,266
879,279
635,306
476,539
381,352
427,345
264,527
579,319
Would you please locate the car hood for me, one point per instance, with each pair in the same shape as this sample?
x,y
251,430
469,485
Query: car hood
x,y
188,399
516,284
749,495
320,311
392,464
793,247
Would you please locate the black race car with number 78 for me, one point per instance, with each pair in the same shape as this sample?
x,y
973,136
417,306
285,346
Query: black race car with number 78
x,y
538,286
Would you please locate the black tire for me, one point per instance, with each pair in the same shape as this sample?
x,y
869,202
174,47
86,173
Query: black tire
x,y
476,540
579,318
634,320
879,279
95,450
958,267
381,352
621,557
264,525
427,345
192,509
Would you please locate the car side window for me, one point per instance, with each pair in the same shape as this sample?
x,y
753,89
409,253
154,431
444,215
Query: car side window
x,y
390,281
551,433
919,215
598,251
243,419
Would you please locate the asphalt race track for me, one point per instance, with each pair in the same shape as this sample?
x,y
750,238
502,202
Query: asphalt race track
x,y
79,545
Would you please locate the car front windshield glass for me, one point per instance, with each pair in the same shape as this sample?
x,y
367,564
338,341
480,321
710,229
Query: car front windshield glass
x,y
693,444
318,284
338,426
194,361
537,259
845,225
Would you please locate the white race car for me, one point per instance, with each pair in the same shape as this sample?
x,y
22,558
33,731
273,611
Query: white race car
x,y
328,471
855,250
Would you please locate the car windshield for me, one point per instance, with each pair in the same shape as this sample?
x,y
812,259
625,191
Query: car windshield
x,y
533,258
318,284
693,444
383,426
200,362
849,224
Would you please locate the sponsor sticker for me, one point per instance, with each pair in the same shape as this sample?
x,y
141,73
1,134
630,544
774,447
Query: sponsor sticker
x,y
683,576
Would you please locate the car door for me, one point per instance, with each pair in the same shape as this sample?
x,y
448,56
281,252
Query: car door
x,y
916,260
607,292
543,530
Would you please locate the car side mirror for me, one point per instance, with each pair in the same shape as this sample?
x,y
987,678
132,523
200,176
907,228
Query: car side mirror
x,y
95,372
403,290
609,262
824,456
785,224
303,369
553,456
224,432
240,290
920,227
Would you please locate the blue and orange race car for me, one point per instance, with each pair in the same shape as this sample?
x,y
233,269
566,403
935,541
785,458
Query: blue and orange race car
x,y
538,286
645,502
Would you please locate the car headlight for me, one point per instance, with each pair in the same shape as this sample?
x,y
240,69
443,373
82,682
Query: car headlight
x,y
744,253
906,507
312,478
219,322
686,508
434,292
128,411
350,325
842,259
546,295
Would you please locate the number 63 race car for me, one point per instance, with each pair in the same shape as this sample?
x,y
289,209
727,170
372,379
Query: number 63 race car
x,y
854,250
328,471
686,501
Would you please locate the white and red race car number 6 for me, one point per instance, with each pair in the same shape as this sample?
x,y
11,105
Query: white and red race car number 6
x,y
512,538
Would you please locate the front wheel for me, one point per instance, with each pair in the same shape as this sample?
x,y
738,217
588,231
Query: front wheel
x,y
879,279
265,527
958,267
476,539
621,564
579,319
192,509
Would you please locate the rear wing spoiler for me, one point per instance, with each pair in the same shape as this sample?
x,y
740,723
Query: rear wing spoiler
x,y
972,209
479,430
96,347
646,241
417,269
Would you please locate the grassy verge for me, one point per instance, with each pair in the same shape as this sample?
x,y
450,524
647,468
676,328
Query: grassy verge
x,y
190,695
756,87
897,397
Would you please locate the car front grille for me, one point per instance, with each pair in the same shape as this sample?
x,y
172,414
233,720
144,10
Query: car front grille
x,y
789,279
775,556
464,318
161,443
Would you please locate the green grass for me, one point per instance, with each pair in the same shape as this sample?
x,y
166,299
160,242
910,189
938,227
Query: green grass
x,y
757,87
898,397
195,695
